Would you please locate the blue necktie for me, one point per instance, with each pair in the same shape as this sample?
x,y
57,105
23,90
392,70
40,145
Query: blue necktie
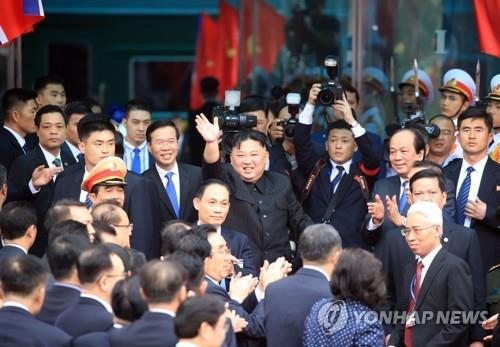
x,y
25,149
402,198
463,196
80,158
172,195
337,178
88,202
136,162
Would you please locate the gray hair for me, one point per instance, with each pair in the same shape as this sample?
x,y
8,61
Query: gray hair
x,y
430,210
317,242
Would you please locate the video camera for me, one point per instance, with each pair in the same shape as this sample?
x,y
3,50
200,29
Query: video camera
x,y
229,119
293,102
418,120
330,90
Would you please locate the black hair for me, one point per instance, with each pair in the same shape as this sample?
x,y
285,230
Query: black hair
x,y
137,104
338,124
126,299
245,135
358,275
194,311
15,219
93,262
137,260
121,252
102,228
209,182
203,229
94,122
476,113
76,107
318,241
252,103
161,280
48,109
209,86
42,82
119,147
22,275
16,97
193,266
428,173
63,253
171,234
442,116
428,164
195,244
68,227
162,123
60,211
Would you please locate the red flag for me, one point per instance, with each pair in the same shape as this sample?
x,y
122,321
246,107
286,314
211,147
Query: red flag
x,y
487,13
269,35
13,20
227,38
206,57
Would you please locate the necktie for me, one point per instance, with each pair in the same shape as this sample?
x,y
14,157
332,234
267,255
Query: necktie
x,y
136,162
57,162
402,198
172,195
25,148
80,158
415,289
463,196
88,202
337,178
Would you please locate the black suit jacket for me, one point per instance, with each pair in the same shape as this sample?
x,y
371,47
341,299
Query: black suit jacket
x,y
20,328
7,252
10,147
141,205
264,211
57,300
447,286
488,230
459,241
190,180
152,329
84,317
240,248
20,175
99,339
288,303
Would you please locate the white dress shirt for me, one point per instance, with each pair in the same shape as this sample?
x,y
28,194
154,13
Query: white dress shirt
x,y
175,179
15,304
129,155
49,157
315,268
18,137
99,300
159,310
185,344
83,193
427,261
74,150
17,246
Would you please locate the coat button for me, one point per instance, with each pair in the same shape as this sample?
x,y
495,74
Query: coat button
x,y
264,216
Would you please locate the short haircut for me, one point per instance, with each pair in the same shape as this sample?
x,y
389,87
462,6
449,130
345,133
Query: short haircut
x,y
162,123
161,280
119,147
193,266
318,241
15,219
171,234
48,109
22,275
42,82
195,244
94,122
60,211
203,229
442,116
137,260
338,124
427,164
76,107
209,182
63,253
3,176
93,262
102,228
252,103
476,113
126,299
348,87
428,173
194,311
245,135
121,252
430,210
16,97
137,104
418,139
68,227
358,275
106,213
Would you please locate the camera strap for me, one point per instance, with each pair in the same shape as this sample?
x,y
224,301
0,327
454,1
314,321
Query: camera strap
x,y
320,164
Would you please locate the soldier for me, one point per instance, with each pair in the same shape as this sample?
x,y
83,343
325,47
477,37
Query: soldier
x,y
493,109
407,99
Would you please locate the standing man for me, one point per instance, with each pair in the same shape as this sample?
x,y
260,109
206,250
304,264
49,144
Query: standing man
x,y
457,93
407,99
440,148
50,91
106,181
74,111
477,179
137,120
18,225
176,183
51,130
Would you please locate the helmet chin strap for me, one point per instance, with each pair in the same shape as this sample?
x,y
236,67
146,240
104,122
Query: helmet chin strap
x,y
458,111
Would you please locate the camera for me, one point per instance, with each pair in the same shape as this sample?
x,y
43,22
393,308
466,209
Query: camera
x,y
293,102
330,90
229,119
418,121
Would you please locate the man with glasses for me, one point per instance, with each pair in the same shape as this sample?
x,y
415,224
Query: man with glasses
x,y
435,283
440,148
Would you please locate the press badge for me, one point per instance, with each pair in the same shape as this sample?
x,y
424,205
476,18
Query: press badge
x,y
410,320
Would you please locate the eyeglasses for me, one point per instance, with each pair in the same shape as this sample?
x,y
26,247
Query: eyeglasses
x,y
129,226
416,230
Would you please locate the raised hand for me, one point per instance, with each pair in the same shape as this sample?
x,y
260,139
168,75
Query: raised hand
x,y
376,210
242,286
275,271
42,176
313,93
237,322
393,211
345,109
209,131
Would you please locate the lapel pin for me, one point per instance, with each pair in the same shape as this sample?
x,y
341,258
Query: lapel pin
x,y
445,239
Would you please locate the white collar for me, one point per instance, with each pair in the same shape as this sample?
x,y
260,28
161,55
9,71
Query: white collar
x,y
185,344
18,137
316,268
67,285
73,148
346,165
15,304
131,147
49,156
478,167
211,279
161,310
99,300
162,173
427,260
16,245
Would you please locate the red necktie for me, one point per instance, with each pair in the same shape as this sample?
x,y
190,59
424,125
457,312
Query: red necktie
x,y
415,289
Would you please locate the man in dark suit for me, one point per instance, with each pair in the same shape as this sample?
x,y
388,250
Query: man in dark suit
x,y
51,130
437,284
427,185
477,179
74,112
163,286
263,205
19,108
175,182
97,142
338,176
23,280
18,226
98,271
62,255
212,203
288,301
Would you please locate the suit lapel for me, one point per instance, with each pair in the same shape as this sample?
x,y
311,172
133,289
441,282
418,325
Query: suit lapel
x,y
67,158
162,191
433,270
486,185
39,159
184,182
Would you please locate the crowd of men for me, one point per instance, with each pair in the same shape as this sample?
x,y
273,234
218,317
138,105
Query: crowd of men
x,y
131,246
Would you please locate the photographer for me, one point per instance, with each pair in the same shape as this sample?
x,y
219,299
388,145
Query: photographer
x,y
338,187
263,205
